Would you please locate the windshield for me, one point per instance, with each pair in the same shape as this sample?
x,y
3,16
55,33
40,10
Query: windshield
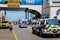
x,y
24,23
4,21
52,22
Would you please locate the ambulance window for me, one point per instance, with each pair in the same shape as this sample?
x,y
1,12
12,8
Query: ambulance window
x,y
56,1
46,22
52,22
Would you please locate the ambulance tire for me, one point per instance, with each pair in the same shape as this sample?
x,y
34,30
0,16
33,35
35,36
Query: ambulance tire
x,y
57,36
19,26
33,31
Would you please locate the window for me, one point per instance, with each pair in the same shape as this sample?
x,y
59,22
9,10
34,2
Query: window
x,y
56,1
47,1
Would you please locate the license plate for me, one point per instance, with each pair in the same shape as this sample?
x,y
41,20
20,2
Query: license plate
x,y
55,31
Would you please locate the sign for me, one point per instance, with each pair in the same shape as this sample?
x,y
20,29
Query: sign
x,y
29,1
32,2
13,3
13,0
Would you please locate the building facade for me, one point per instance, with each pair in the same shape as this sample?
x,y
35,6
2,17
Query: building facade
x,y
51,7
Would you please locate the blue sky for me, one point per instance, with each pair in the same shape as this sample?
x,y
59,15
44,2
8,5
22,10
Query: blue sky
x,y
16,15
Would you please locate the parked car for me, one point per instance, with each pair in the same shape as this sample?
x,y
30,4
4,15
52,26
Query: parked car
x,y
4,24
23,23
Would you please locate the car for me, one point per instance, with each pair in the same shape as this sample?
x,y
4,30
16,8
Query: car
x,y
52,27
4,24
23,24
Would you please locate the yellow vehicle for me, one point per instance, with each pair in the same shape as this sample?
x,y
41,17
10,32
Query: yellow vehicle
x,y
4,24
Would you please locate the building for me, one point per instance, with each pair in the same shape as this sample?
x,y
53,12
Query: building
x,y
51,7
2,15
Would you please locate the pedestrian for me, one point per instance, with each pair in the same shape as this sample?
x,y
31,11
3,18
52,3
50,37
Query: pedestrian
x,y
11,28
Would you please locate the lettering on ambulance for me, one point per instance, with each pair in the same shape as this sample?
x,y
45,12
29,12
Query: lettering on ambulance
x,y
29,1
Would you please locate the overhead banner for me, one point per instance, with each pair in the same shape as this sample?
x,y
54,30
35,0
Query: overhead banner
x,y
24,2
32,2
13,3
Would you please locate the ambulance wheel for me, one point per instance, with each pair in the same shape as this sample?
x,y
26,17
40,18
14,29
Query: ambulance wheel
x,y
57,36
19,26
33,31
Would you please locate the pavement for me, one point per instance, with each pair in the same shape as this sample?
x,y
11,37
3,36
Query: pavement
x,y
5,34
26,34
21,34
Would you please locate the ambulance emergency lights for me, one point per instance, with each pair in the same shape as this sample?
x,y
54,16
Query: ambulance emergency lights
x,y
13,3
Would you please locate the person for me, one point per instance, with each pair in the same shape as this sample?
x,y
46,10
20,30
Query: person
x,y
11,28
42,24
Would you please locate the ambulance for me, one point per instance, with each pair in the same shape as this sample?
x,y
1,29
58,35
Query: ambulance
x,y
47,27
